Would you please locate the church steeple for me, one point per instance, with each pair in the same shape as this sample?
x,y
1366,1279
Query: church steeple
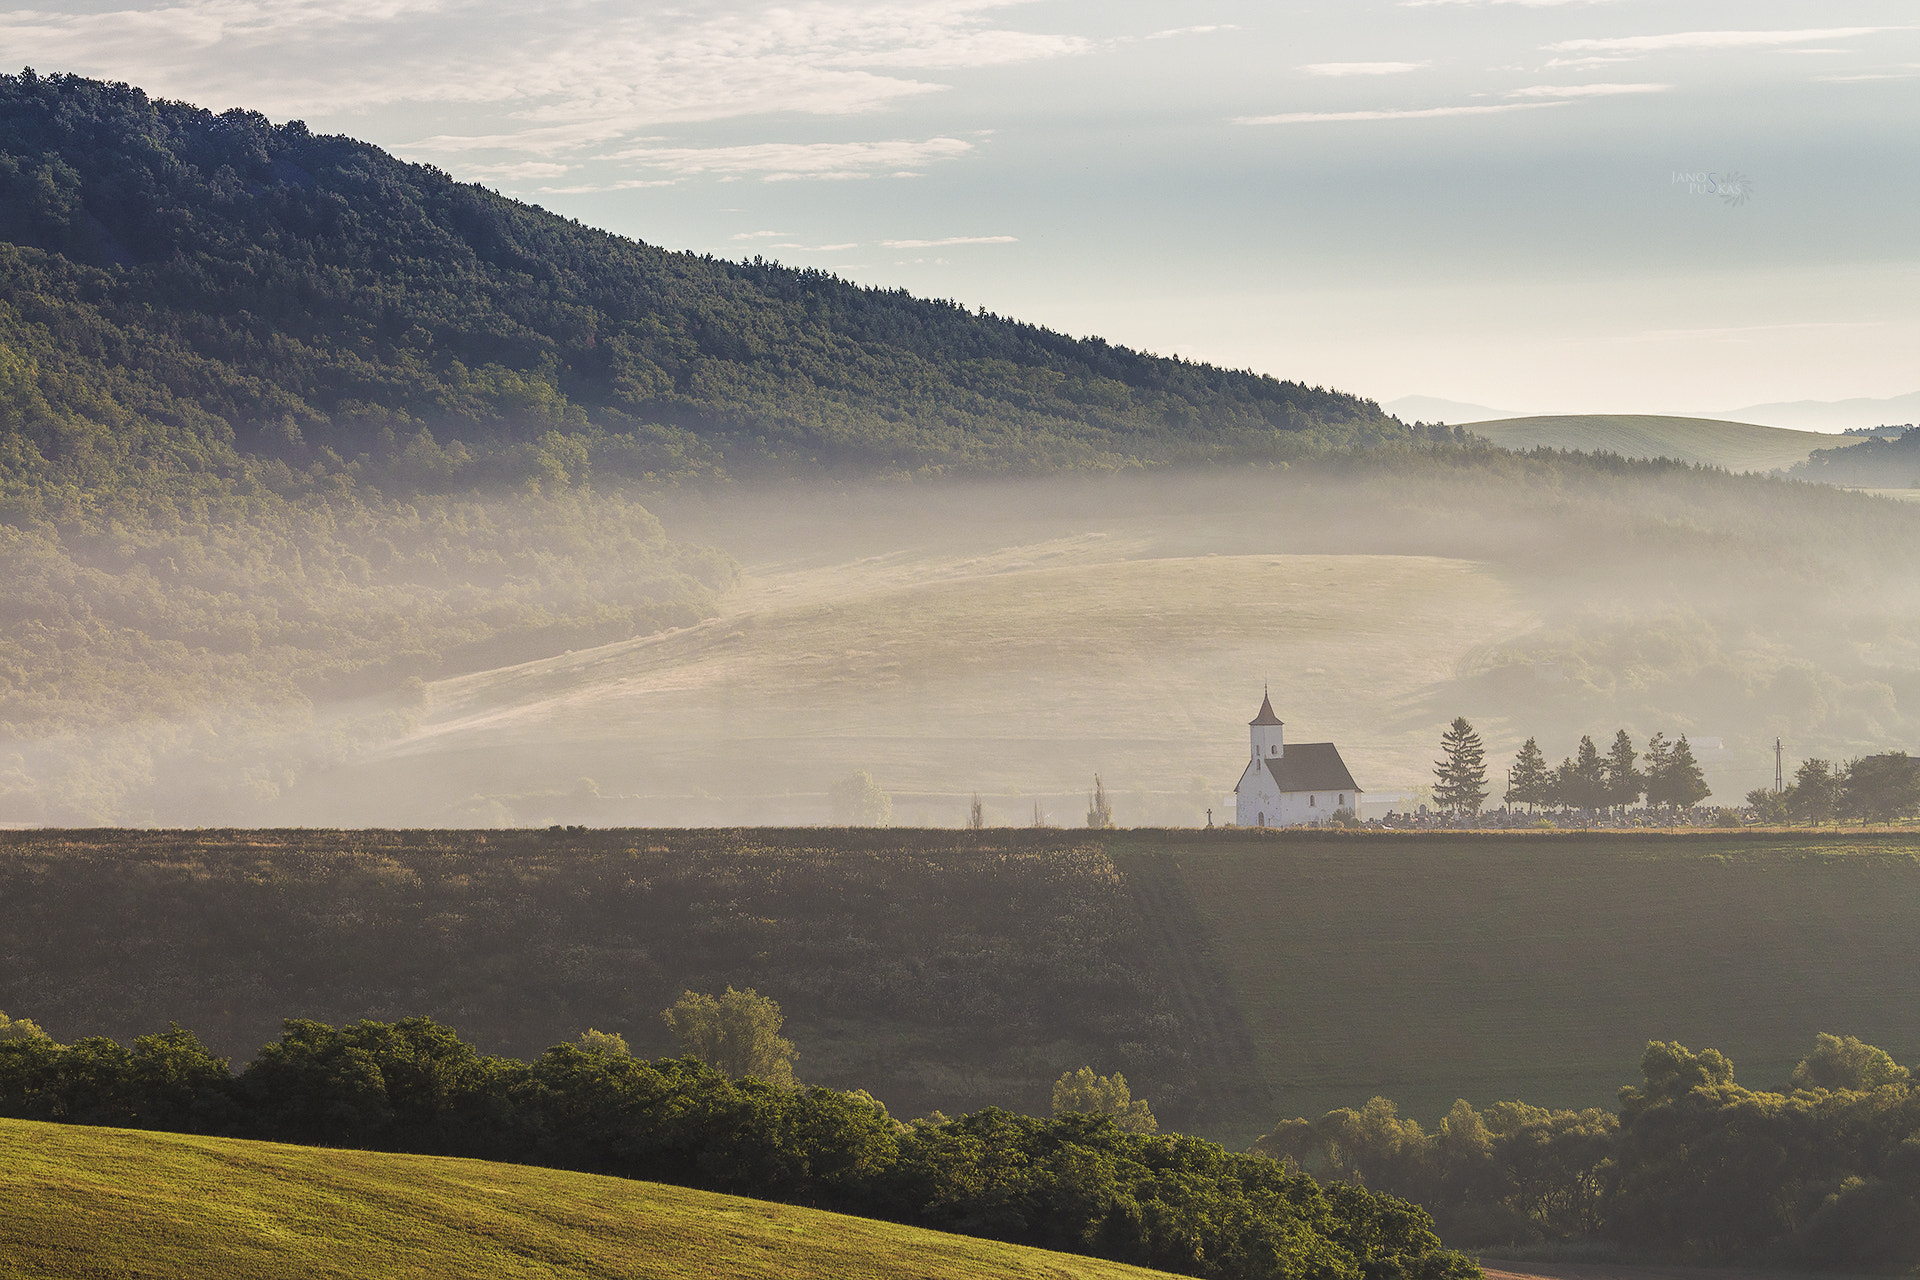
x,y
1268,731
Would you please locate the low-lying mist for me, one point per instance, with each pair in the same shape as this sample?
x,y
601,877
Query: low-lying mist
x,y
1012,639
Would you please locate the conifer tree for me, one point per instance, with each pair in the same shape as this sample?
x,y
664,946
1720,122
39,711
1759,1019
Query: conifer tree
x,y
1677,781
1624,782
1529,782
1462,775
1659,760
1588,785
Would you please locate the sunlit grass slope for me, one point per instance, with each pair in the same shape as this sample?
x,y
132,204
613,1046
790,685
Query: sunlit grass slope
x,y
1428,968
114,1203
1737,446
1019,677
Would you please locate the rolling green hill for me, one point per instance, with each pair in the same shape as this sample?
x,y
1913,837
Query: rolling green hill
x,y
1737,446
113,1202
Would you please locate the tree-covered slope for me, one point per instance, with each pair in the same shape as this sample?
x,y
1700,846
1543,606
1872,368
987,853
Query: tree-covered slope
x,y
240,285
1737,446
1869,464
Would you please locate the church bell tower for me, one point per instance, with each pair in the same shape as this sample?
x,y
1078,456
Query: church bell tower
x,y
1268,731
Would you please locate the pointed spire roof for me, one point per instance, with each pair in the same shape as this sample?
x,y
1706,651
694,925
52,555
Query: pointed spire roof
x,y
1266,715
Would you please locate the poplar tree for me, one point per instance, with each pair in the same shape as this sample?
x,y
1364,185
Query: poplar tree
x,y
1462,775
1530,782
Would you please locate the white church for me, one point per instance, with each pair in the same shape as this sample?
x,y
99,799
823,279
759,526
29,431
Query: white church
x,y
1291,786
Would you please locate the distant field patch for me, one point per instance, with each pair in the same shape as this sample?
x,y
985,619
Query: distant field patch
x,y
81,1202
1737,446
1431,968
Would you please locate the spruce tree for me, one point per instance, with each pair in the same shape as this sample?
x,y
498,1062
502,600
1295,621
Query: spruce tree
x,y
1684,785
1589,777
1625,783
1462,775
1659,766
1530,782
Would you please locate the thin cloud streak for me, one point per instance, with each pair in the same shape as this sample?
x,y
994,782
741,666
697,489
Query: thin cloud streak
x,y
1340,69
1690,41
943,243
1584,90
777,161
1419,113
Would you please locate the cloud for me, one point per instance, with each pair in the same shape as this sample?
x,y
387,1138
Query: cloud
x,y
1530,4
1690,41
817,248
938,244
1362,68
1861,76
1419,113
761,235
1171,32
601,68
591,188
778,161
1584,90
513,172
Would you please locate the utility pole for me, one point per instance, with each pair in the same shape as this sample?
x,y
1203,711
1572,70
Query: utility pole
x,y
1779,769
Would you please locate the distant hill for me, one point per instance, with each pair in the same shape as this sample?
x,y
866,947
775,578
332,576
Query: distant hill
x,y
1737,446
1833,415
91,1202
1435,409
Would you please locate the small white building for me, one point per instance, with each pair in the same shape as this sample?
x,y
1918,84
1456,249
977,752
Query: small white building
x,y
1291,786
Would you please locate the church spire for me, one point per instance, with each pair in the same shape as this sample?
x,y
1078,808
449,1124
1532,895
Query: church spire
x,y
1266,715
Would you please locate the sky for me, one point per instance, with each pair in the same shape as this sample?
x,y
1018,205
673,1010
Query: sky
x,y
1647,206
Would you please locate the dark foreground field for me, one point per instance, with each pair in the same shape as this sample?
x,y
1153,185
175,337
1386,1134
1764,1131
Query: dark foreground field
x,y
1234,978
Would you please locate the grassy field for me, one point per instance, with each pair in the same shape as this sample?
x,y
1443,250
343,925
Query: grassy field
x,y
1435,967
105,1203
1737,446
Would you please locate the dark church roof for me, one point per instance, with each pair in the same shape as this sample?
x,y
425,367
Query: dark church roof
x,y
1310,766
1266,715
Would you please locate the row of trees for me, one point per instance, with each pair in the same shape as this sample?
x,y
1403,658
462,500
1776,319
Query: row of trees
x,y
1587,780
1822,1173
1877,788
1078,1182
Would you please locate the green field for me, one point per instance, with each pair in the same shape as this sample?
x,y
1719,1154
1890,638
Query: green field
x,y
1435,967
1737,446
100,1203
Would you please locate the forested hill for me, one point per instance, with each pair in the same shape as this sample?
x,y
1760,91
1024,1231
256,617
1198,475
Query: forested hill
x,y
200,285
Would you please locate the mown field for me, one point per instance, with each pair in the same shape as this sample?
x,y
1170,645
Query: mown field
x,y
1737,446
81,1202
1235,978
1537,968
